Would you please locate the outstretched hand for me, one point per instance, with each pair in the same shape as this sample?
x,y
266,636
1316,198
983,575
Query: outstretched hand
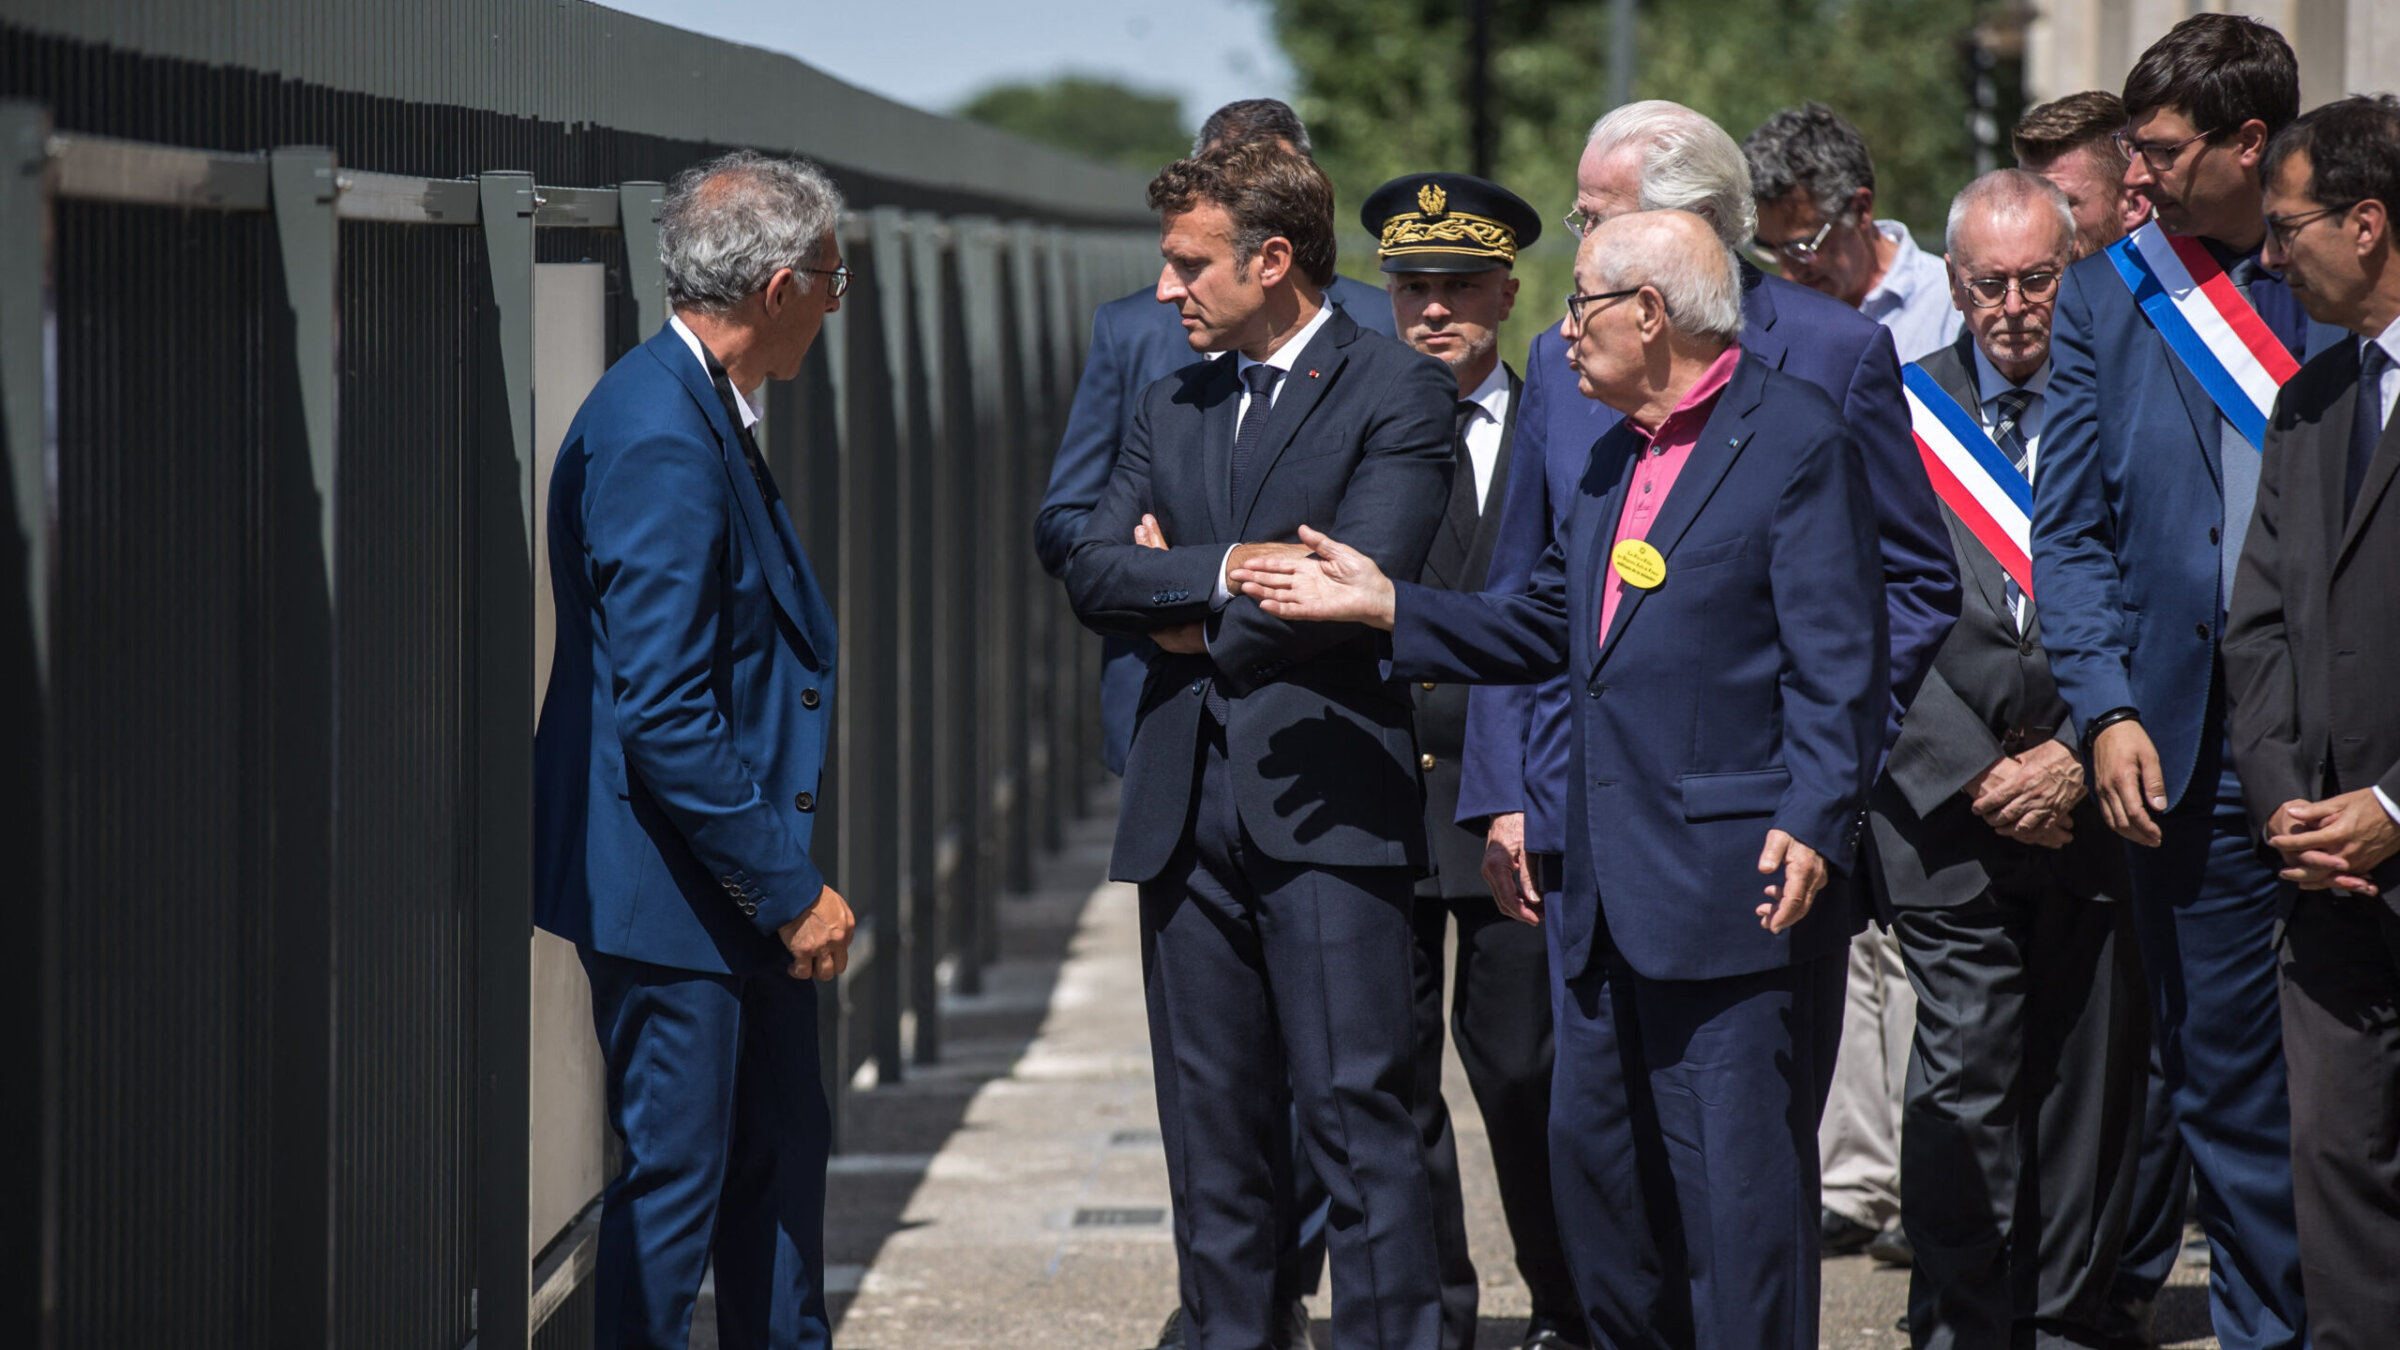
x,y
1335,584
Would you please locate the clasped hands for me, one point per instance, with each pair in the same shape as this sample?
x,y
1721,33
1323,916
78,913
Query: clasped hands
x,y
1332,582
2031,797
2332,845
1189,639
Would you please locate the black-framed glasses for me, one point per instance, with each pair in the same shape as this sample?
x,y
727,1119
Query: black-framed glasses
x,y
840,272
1992,292
2159,155
1577,304
1798,252
2287,228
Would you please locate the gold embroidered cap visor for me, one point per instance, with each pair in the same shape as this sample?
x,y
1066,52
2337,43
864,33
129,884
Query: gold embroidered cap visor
x,y
1447,222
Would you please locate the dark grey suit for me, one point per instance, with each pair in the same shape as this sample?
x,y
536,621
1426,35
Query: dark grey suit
x,y
1273,817
2025,1085
2312,656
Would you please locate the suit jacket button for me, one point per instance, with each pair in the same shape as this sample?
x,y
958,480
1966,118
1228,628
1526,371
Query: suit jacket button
x,y
806,801
749,909
2200,631
1425,761
808,698
1429,685
2025,646
2213,535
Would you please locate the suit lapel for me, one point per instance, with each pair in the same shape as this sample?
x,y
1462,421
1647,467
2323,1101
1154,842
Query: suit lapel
x,y
2380,469
767,543
1313,372
1720,444
1759,337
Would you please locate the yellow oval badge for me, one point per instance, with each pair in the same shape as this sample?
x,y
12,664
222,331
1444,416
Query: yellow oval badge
x,y
1639,564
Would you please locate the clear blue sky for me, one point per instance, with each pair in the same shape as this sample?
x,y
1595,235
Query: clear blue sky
x,y
934,53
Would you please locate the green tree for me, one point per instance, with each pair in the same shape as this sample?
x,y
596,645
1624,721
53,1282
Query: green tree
x,y
1382,85
1087,116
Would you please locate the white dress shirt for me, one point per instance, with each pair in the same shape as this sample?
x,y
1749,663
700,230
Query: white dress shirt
x,y
1483,430
1990,384
1913,299
700,354
1282,360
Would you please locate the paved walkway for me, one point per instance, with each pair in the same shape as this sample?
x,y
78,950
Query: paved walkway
x,y
1014,1197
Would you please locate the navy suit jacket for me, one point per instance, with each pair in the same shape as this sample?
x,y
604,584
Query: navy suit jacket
x,y
1136,342
2127,505
684,731
1321,742
1744,693
1516,749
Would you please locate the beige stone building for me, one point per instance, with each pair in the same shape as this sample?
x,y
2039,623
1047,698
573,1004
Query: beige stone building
x,y
2344,46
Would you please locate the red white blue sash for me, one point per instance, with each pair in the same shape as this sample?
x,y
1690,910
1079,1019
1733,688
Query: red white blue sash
x,y
1971,475
2207,323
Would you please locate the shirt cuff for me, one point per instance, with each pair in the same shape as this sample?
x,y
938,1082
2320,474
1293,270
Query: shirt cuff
x,y
1224,595
2388,808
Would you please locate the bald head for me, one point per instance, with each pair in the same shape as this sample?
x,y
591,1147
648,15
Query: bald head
x,y
1676,253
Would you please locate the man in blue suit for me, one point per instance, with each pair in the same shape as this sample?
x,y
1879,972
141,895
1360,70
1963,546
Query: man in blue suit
x,y
1272,808
1647,156
1715,597
1136,342
676,772
2139,511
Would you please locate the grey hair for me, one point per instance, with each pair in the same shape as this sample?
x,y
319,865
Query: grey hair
x,y
2006,192
730,223
1688,164
1809,148
1702,287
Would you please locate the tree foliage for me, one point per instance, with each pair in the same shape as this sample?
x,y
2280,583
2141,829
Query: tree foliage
x,y
1086,116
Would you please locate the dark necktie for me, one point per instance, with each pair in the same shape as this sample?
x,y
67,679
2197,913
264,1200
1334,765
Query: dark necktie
x,y
741,430
1261,379
2366,427
2008,433
1462,465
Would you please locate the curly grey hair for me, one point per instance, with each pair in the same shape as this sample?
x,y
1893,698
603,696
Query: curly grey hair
x,y
730,223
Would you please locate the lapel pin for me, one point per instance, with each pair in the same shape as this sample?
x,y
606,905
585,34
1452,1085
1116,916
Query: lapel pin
x,y
1312,374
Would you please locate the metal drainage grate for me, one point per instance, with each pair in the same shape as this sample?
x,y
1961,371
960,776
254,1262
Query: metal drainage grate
x,y
1119,1218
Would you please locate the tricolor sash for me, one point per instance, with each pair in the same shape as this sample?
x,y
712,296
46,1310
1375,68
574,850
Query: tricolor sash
x,y
2207,323
1971,475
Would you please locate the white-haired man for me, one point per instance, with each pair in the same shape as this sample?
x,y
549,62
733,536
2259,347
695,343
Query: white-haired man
x,y
1658,155
2005,888
1715,597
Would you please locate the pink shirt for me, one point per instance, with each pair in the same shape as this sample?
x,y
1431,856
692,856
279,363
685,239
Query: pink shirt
x,y
1665,450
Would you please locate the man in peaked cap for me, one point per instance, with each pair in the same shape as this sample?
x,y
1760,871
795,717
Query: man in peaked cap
x,y
1448,244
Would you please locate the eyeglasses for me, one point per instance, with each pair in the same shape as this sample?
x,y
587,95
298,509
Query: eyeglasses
x,y
1577,304
1798,252
2159,155
1580,222
2286,228
840,272
1991,292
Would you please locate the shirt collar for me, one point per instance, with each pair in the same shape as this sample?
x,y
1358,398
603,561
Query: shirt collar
x,y
1905,277
2389,340
1491,396
1289,352
700,354
1700,398
1991,384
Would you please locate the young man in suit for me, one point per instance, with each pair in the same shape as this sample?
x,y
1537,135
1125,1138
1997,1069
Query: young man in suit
x,y
672,818
1136,342
1716,596
2310,648
2021,1132
1449,243
2149,470
1272,807
1647,156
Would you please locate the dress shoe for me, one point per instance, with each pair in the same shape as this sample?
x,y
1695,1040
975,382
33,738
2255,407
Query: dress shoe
x,y
1892,1247
1170,1335
1841,1235
1543,1334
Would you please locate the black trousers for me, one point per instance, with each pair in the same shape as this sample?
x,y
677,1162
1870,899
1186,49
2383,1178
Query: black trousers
x,y
2022,1126
2341,1042
1257,972
1500,1021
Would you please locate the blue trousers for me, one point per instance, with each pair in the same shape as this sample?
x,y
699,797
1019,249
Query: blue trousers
x,y
712,1082
1260,973
1683,1149
2205,910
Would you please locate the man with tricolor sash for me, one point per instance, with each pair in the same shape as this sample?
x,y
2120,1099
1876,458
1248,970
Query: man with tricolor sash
x,y
2167,354
2002,886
